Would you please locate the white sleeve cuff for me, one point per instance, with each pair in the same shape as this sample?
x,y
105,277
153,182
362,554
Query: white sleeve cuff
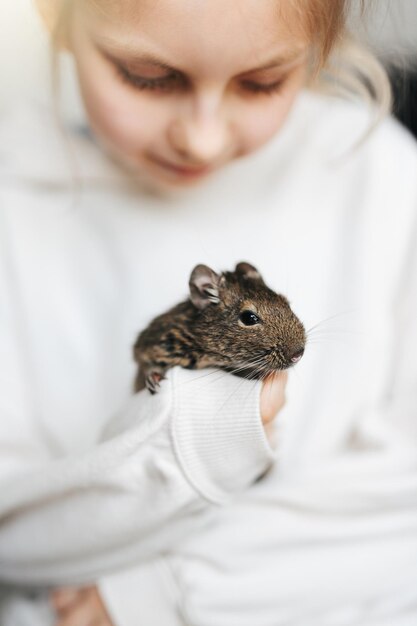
x,y
217,431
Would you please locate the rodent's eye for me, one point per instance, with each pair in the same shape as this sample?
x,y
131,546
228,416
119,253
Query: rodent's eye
x,y
249,318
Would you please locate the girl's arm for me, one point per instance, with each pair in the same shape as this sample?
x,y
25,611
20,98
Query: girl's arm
x,y
132,496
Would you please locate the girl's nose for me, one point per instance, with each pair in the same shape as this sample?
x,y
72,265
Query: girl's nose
x,y
200,137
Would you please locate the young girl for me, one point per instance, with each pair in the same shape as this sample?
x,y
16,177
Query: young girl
x,y
209,139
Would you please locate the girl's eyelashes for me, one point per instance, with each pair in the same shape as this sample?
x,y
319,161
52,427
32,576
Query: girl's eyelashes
x,y
174,81
268,88
163,83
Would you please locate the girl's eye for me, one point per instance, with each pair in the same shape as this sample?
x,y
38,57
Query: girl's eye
x,y
173,81
164,83
263,88
249,318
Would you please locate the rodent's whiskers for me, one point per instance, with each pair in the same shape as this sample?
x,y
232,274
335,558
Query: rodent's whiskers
x,y
230,395
249,364
221,373
317,334
328,319
320,337
332,331
254,377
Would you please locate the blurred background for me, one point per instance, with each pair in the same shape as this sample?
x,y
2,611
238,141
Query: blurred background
x,y
390,28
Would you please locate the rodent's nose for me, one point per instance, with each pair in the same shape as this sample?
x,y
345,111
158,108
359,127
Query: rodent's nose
x,y
296,355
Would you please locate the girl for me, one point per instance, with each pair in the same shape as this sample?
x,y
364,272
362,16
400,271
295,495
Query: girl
x,y
208,141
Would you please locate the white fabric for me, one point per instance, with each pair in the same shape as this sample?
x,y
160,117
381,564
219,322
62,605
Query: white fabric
x,y
159,603
329,537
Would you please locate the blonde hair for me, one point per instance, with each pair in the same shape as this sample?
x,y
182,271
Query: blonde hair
x,y
339,65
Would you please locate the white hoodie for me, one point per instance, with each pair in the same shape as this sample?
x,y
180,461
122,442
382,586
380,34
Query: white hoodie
x,y
98,485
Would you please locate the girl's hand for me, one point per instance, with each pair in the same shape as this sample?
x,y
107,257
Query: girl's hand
x,y
272,400
79,607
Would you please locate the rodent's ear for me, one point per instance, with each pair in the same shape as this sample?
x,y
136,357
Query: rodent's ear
x,y
246,270
204,286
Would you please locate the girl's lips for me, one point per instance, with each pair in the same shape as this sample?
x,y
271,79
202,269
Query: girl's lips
x,y
189,172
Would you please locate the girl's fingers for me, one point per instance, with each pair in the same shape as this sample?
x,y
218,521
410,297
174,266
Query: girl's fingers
x,y
81,614
273,396
63,598
86,609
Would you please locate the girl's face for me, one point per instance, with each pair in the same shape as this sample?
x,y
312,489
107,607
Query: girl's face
x,y
175,89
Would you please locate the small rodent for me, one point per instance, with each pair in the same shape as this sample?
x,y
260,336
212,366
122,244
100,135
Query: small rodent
x,y
231,321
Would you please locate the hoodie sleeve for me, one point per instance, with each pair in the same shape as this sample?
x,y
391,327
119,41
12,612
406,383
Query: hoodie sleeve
x,y
135,494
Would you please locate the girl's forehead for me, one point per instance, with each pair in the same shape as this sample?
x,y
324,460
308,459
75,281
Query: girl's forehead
x,y
235,31
135,8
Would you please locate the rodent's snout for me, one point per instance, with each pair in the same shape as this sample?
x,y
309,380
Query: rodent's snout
x,y
295,355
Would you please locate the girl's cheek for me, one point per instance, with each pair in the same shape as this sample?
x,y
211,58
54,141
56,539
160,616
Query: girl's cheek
x,y
264,123
123,118
266,115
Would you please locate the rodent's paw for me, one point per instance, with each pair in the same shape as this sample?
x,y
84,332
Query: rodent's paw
x,y
153,380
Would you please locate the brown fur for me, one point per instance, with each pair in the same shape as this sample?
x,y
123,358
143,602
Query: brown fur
x,y
205,331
